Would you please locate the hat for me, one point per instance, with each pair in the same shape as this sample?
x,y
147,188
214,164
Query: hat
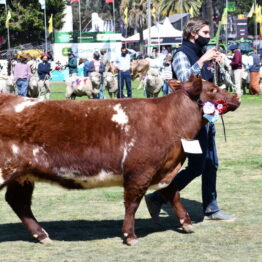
x,y
232,47
43,55
23,56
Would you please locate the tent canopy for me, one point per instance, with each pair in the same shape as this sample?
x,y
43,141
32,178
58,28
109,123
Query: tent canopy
x,y
158,31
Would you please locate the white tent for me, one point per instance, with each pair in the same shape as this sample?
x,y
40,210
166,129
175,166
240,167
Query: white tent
x,y
158,31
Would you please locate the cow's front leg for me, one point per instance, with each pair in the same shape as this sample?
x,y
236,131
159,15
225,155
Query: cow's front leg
x,y
172,195
132,197
19,196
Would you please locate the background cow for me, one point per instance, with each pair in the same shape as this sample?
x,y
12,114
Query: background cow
x,y
99,143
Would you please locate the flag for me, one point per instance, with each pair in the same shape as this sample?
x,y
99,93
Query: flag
x,y
154,13
126,16
2,2
8,17
191,11
224,17
258,14
50,24
42,3
109,1
251,12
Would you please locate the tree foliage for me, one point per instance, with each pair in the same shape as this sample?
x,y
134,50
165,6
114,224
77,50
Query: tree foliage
x,y
27,19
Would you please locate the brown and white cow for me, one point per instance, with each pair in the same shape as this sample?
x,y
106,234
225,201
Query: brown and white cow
x,y
100,143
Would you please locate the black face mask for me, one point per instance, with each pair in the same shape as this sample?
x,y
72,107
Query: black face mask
x,y
202,41
96,57
124,54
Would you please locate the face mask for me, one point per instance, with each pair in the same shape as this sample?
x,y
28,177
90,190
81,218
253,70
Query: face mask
x,y
96,57
124,54
202,41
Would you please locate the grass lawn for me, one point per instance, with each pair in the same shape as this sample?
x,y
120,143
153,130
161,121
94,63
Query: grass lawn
x,y
86,225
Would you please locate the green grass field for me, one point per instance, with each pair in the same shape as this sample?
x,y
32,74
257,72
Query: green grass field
x,y
86,225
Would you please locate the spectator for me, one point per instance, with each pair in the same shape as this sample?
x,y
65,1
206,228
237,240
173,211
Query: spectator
x,y
167,73
123,65
72,64
96,65
22,73
86,68
254,67
105,60
43,70
236,65
190,59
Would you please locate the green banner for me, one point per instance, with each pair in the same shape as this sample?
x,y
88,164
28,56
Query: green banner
x,y
232,6
86,37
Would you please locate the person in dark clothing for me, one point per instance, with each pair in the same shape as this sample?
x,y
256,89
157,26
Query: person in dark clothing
x,y
189,60
72,64
44,70
96,65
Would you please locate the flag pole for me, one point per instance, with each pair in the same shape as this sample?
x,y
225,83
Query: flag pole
x,y
8,33
45,30
255,11
114,20
80,22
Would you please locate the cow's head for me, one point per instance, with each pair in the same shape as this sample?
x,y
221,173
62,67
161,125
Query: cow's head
x,y
205,91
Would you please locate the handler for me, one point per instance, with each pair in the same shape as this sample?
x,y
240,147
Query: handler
x,y
43,70
190,60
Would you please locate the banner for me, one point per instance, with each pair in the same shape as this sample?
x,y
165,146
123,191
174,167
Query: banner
x,y
224,17
7,19
251,12
75,1
125,16
2,2
231,6
109,1
50,25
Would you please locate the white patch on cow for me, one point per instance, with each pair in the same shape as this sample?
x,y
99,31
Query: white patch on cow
x,y
35,153
125,234
15,149
126,150
120,117
20,107
1,177
102,179
159,186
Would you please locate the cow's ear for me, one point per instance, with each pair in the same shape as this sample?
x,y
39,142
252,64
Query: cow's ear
x,y
195,87
174,84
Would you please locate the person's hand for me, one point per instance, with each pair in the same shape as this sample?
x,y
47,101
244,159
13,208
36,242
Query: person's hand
x,y
211,54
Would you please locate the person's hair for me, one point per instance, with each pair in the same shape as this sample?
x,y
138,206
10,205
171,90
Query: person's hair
x,y
193,25
96,53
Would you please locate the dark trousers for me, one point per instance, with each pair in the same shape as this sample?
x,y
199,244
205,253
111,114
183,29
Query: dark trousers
x,y
124,77
205,164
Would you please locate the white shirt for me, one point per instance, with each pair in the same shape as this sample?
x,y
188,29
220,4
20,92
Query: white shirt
x,y
124,62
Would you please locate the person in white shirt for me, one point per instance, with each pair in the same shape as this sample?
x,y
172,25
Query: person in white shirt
x,y
123,64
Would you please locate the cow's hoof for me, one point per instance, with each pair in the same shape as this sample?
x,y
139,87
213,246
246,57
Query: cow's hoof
x,y
130,241
188,228
46,240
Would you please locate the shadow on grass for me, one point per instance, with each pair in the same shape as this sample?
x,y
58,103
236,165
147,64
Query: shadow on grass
x,y
83,230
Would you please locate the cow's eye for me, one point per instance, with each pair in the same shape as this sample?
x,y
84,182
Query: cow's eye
x,y
214,90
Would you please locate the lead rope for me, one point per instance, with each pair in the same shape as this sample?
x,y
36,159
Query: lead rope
x,y
224,129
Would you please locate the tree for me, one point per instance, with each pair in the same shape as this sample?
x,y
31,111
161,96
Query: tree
x,y
174,7
27,22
